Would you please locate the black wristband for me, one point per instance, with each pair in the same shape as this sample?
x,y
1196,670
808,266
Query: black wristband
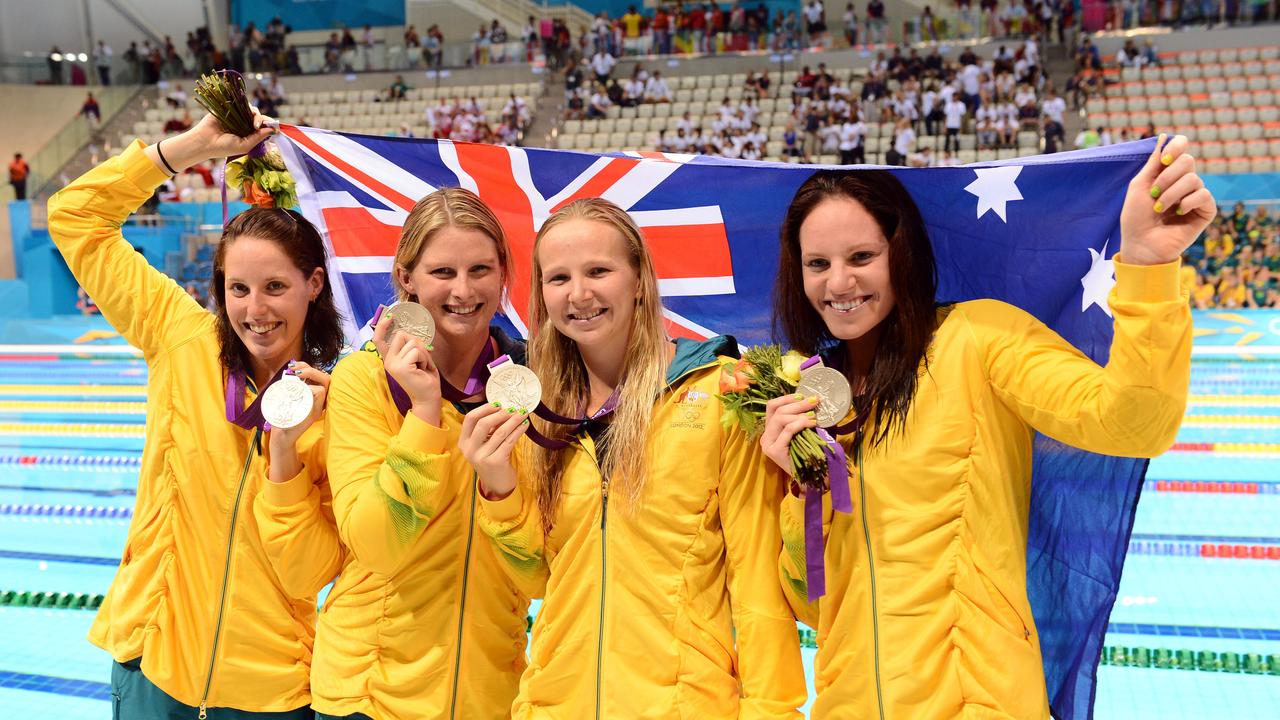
x,y
167,166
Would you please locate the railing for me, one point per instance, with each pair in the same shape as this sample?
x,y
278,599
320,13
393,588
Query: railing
x,y
74,137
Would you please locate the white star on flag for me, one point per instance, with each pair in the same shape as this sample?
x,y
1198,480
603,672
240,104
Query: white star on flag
x,y
1099,280
995,187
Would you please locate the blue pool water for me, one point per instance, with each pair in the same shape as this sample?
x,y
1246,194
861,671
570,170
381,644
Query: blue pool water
x,y
64,517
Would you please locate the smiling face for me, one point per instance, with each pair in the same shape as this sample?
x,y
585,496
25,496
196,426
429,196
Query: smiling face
x,y
844,257
589,284
267,299
459,279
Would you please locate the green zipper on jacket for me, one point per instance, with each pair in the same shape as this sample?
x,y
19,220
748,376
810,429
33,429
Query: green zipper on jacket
x,y
462,604
871,569
226,573
604,548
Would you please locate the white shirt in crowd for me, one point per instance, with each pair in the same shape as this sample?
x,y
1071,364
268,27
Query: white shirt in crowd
x,y
1053,108
954,110
851,134
602,63
905,141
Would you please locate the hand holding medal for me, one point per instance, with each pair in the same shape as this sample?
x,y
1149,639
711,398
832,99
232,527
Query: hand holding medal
x,y
786,401
292,404
801,399
403,334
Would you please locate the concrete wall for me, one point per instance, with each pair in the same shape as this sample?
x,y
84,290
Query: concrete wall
x,y
31,26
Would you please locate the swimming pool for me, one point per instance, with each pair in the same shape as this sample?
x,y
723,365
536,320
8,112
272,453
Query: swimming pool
x,y
1195,633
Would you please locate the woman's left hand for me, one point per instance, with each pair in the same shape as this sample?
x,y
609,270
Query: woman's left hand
x,y
1166,208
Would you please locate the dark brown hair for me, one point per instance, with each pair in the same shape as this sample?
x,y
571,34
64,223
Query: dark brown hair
x,y
906,331
298,239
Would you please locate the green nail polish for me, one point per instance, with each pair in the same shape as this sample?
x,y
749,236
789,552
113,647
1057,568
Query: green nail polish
x,y
1182,211
1155,191
1159,207
496,404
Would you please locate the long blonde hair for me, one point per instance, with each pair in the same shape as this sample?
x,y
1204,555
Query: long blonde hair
x,y
557,362
446,207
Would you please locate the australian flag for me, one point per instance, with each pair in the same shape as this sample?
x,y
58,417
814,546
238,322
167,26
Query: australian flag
x,y
1037,232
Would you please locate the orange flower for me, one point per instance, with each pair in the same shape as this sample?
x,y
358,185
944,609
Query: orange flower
x,y
734,378
255,195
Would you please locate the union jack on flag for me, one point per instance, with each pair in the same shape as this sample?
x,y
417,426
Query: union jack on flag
x,y
1036,232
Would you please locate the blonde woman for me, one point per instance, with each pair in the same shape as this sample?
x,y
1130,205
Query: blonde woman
x,y
655,528
422,622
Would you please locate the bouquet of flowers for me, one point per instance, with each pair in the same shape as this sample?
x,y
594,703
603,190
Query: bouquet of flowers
x,y
746,386
261,175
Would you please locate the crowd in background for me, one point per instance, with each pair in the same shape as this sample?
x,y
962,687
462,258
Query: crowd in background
x,y
1236,263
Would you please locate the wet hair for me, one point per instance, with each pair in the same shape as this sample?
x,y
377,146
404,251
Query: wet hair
x,y
298,239
905,333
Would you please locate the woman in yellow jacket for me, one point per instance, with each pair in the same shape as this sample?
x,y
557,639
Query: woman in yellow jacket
x,y
199,623
926,612
655,529
422,622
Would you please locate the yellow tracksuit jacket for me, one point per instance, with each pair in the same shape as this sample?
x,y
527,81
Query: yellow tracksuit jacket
x,y
926,612
423,621
195,596
671,610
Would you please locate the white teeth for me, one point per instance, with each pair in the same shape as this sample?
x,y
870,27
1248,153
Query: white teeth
x,y
263,329
847,306
461,309
588,316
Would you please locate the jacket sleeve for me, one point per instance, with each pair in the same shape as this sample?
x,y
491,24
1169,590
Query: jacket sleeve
x,y
296,525
791,562
515,528
146,307
387,484
769,666
1134,405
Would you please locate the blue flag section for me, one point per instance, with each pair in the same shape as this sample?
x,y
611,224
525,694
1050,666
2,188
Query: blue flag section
x,y
1037,232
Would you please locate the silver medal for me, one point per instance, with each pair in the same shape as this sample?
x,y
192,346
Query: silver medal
x,y
413,319
514,387
287,402
835,397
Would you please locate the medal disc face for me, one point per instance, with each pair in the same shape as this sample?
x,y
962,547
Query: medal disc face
x,y
287,402
835,397
514,387
411,318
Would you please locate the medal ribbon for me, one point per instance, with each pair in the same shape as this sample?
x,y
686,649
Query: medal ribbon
x,y
473,386
552,416
247,417
841,496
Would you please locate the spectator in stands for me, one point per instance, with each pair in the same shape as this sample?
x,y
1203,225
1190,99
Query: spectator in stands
x,y
850,25
876,21
954,111
904,141
18,172
176,125
633,90
177,97
791,142
1087,138
656,89
600,103
90,110
852,134
398,89
433,47
1054,135
332,53
102,61
1129,55
602,63
575,105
